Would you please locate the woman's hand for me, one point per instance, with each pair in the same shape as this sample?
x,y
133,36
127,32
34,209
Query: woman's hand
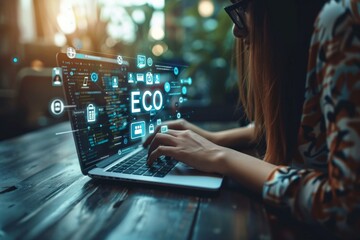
x,y
181,124
187,147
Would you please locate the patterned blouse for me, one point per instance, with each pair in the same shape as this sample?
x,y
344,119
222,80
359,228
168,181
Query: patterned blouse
x,y
322,184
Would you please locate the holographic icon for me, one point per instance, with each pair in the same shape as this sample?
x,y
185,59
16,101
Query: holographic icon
x,y
131,77
181,99
149,78
119,152
94,77
184,90
178,115
139,77
71,52
126,141
149,61
57,107
115,81
158,122
157,78
167,87
141,61
90,113
137,130
151,128
164,129
85,82
119,60
56,76
176,71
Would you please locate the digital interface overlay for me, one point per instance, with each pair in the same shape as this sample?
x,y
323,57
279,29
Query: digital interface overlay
x,y
115,101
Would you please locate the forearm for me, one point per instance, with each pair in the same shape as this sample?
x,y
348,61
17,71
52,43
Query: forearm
x,y
249,171
237,138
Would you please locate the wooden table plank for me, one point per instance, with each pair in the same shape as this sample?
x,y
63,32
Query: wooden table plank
x,y
231,215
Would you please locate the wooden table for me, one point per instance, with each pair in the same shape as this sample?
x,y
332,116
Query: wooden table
x,y
43,195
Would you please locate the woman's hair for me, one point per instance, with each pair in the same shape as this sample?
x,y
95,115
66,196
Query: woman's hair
x,y
272,90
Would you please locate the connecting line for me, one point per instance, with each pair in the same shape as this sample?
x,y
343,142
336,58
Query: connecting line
x,y
61,133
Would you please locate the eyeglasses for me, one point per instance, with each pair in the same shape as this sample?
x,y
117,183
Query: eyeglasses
x,y
236,12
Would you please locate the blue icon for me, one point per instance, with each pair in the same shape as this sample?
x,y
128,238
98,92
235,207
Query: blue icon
x,y
150,62
140,77
176,71
119,152
149,78
94,77
137,130
167,87
181,100
178,115
90,112
158,122
115,82
151,128
157,78
131,77
141,61
125,141
164,129
184,90
15,60
71,73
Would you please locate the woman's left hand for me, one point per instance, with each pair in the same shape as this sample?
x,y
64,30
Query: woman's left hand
x,y
189,148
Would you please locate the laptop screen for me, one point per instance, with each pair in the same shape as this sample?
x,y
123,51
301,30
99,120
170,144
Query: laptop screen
x,y
115,101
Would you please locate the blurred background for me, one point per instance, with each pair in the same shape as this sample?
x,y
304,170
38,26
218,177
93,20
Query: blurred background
x,y
196,33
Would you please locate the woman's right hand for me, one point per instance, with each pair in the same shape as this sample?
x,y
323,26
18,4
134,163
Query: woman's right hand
x,y
180,124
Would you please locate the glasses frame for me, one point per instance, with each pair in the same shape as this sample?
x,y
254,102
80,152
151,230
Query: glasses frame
x,y
236,12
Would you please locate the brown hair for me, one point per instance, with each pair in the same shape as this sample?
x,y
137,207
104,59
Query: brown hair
x,y
272,91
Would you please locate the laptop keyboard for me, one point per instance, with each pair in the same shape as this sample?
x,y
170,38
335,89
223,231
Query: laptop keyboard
x,y
136,165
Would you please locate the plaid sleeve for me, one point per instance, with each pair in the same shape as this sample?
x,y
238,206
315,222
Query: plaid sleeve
x,y
330,197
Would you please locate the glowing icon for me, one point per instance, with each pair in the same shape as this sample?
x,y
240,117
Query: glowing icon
x,y
90,113
149,78
184,90
57,107
181,99
150,62
71,52
151,128
176,71
164,129
157,78
125,141
119,152
56,76
158,122
115,81
85,82
131,77
119,60
140,77
178,115
141,61
137,130
94,77
167,87
152,112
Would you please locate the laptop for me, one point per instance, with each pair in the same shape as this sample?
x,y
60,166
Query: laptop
x,y
114,102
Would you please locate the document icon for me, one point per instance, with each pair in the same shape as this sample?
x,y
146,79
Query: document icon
x,y
137,130
141,61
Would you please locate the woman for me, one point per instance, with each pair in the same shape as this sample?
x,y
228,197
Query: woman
x,y
312,159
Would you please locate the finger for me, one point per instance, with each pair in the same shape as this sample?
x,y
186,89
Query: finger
x,y
162,139
152,136
161,151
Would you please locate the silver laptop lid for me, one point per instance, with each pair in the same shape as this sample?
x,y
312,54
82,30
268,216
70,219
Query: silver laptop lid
x,y
115,101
